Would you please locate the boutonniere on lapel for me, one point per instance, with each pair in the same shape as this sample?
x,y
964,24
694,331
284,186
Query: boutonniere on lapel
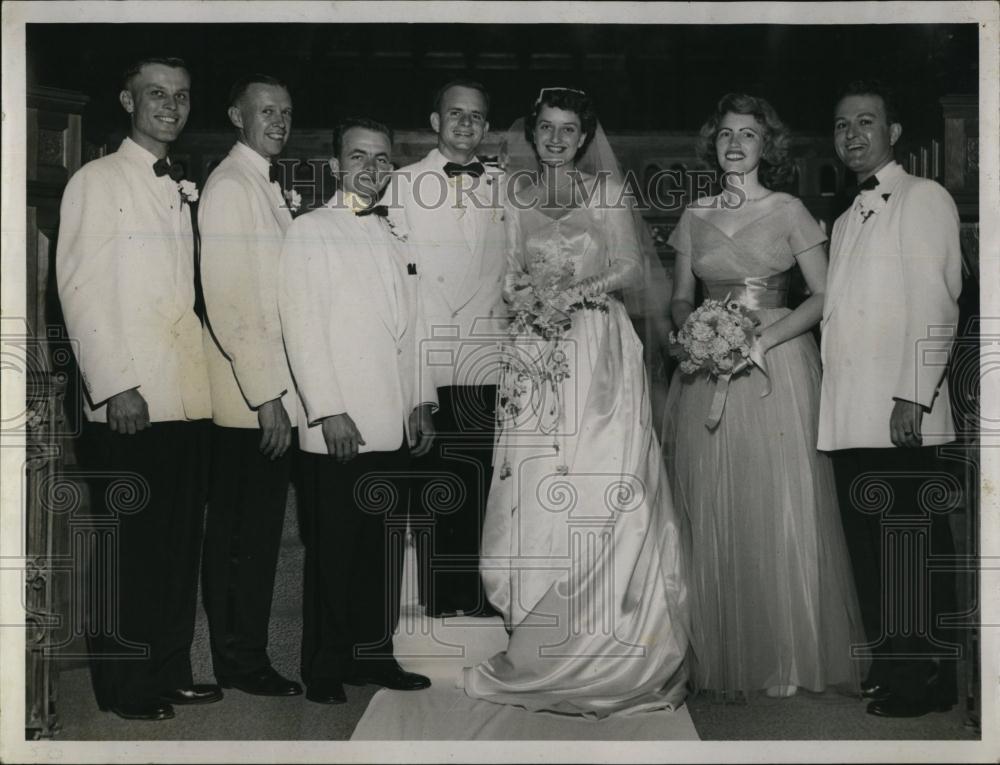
x,y
293,200
188,190
872,204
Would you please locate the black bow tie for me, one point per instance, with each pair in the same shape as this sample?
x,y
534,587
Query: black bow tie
x,y
870,183
176,170
273,174
475,169
382,211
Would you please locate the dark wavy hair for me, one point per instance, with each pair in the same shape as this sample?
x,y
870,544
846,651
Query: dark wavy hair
x,y
360,122
776,167
574,101
873,88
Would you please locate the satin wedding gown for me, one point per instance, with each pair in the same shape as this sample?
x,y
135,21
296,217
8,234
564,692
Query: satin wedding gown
x,y
773,599
581,550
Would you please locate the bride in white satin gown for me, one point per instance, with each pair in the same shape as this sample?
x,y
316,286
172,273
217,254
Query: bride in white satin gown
x,y
582,549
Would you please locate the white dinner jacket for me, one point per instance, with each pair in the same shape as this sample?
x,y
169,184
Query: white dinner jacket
x,y
352,326
242,218
460,264
125,274
891,312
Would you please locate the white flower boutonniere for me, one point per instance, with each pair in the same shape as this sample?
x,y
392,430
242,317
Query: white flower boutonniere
x,y
293,200
871,204
188,190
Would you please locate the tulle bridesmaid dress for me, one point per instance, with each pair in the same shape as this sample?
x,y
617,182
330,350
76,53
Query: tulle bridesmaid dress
x,y
772,595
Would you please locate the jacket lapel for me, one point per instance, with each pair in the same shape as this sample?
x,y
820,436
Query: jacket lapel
x,y
842,255
266,192
375,265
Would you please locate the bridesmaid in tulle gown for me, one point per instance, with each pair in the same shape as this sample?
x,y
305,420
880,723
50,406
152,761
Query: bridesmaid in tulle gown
x,y
773,600
581,550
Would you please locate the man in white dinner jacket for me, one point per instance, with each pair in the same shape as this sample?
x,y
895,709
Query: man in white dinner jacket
x,y
888,327
242,219
126,277
450,204
352,327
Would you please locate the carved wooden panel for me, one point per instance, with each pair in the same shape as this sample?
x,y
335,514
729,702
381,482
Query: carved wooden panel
x,y
969,235
961,149
972,160
53,149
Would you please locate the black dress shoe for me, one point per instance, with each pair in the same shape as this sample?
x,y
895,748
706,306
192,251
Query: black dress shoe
x,y
875,691
394,678
262,682
194,694
150,710
895,706
326,692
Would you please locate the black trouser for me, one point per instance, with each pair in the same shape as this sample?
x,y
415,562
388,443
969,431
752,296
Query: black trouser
x,y
147,503
450,487
354,529
246,512
886,500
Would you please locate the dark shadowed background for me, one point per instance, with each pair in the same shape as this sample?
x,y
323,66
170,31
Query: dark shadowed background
x,y
643,77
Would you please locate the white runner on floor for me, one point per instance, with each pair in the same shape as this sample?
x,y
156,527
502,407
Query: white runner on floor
x,y
443,713
439,648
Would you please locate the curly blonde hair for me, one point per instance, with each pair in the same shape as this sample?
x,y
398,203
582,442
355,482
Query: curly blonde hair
x,y
776,167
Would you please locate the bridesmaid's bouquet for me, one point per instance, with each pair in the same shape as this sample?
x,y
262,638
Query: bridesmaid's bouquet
x,y
719,338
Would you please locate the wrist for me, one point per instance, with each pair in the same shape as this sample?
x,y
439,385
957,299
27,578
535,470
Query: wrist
x,y
765,341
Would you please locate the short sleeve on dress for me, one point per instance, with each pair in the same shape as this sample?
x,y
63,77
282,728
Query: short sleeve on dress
x,y
680,237
804,232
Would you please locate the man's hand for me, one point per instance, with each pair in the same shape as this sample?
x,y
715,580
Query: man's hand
x,y
342,437
275,429
904,424
127,412
421,430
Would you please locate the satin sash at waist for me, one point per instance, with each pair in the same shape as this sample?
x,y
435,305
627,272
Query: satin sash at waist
x,y
752,291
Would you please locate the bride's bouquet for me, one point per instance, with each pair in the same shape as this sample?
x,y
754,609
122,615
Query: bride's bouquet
x,y
717,338
543,299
